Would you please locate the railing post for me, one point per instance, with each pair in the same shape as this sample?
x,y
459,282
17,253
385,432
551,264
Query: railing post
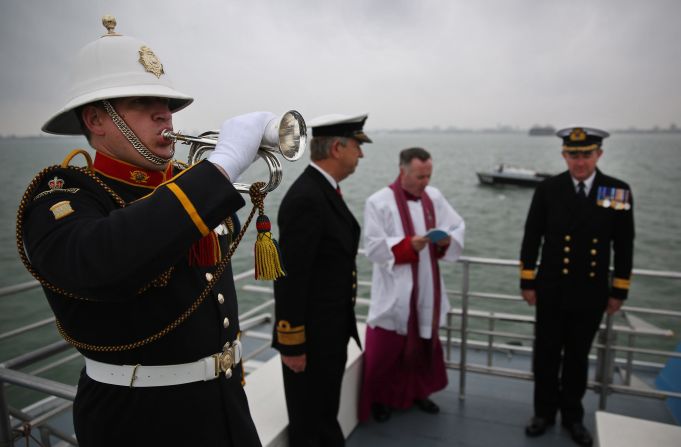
x,y
630,360
490,338
5,429
464,330
45,436
448,353
606,364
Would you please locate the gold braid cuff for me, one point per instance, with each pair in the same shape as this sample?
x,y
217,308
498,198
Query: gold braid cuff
x,y
620,283
290,335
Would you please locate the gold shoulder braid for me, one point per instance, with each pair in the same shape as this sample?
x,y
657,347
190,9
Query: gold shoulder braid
x,y
256,196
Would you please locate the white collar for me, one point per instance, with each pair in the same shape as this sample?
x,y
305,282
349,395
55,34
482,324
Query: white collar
x,y
587,183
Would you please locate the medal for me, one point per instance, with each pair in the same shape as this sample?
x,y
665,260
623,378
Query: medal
x,y
600,194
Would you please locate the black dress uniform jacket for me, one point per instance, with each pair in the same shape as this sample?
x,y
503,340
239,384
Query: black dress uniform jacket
x,y
319,238
124,278
577,237
573,284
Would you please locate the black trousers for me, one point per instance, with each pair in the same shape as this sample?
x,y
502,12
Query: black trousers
x,y
563,339
313,398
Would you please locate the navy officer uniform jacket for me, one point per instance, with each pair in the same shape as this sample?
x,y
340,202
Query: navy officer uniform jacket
x,y
319,238
117,274
577,236
576,241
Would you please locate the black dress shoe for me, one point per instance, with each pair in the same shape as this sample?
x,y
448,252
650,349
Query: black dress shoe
x,y
427,405
579,434
381,412
537,426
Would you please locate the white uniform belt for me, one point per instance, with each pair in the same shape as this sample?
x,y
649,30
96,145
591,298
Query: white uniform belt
x,y
135,376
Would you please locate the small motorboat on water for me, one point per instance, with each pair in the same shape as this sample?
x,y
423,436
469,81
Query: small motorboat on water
x,y
511,175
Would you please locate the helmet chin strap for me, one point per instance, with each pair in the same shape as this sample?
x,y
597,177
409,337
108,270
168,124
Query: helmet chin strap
x,y
132,138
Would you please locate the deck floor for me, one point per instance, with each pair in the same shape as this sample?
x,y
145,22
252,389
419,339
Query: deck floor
x,y
494,412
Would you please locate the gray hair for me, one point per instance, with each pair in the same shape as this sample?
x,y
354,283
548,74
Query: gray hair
x,y
320,147
407,155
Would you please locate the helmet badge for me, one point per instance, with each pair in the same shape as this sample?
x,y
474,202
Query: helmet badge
x,y
150,62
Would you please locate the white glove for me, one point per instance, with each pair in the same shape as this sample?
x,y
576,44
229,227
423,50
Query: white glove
x,y
239,141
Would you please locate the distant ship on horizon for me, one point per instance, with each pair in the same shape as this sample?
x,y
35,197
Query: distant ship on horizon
x,y
542,130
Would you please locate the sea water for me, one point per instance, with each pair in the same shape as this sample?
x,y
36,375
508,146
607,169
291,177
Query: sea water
x,y
495,216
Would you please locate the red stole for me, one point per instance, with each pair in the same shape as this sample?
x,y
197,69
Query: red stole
x,y
414,352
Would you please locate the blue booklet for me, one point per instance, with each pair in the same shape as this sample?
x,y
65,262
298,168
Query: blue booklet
x,y
436,235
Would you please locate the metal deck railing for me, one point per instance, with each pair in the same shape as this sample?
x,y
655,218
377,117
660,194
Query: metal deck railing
x,y
17,424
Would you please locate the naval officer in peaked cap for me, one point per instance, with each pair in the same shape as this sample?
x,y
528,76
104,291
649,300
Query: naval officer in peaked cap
x,y
315,316
580,220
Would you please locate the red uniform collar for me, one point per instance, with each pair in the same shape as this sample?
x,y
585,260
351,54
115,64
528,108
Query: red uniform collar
x,y
129,173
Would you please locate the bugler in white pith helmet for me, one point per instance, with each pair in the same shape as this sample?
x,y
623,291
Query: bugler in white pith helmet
x,y
113,66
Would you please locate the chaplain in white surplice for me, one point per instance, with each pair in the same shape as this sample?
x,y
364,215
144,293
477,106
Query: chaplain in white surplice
x,y
408,227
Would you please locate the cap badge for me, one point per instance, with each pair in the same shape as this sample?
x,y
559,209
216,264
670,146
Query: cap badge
x,y
61,209
139,176
150,62
577,134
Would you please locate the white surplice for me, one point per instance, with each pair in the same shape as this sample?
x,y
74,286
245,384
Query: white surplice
x,y
392,283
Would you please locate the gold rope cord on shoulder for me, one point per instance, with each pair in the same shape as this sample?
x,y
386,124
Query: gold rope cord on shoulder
x,y
28,196
73,154
161,281
257,196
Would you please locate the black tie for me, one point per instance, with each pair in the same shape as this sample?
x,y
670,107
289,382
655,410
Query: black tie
x,y
580,190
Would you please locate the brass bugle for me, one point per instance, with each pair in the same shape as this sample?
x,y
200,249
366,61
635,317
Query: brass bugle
x,y
287,136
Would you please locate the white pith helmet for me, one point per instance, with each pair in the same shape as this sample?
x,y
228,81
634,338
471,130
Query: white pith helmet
x,y
113,66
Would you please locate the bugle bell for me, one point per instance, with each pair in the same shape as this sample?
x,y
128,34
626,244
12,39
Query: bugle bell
x,y
287,135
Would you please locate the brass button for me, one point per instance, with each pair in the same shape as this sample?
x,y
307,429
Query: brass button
x,y
593,252
354,286
209,276
566,249
565,271
567,238
595,241
591,274
354,273
221,298
593,263
225,322
566,260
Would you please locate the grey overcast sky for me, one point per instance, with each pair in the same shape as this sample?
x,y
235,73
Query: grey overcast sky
x,y
418,63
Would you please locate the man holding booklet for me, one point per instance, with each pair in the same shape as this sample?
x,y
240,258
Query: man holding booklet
x,y
408,227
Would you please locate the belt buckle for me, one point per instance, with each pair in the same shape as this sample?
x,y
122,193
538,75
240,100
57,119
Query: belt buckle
x,y
224,361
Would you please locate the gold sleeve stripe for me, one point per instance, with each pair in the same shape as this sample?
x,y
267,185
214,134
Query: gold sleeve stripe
x,y
620,283
287,335
167,182
527,274
189,207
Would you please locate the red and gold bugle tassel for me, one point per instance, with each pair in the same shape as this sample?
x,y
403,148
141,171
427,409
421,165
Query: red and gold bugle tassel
x,y
267,255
